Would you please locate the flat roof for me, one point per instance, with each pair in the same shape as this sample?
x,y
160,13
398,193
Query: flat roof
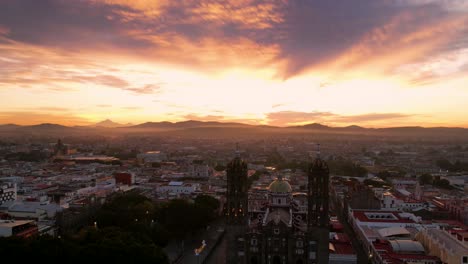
x,y
13,223
393,231
395,217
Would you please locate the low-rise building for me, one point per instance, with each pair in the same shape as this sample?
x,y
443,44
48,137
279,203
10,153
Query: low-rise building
x,y
178,188
19,228
446,246
7,192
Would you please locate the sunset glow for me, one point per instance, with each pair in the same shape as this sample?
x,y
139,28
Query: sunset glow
x,y
280,63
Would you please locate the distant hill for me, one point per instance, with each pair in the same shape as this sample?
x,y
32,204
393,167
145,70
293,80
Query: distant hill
x,y
185,124
109,124
46,126
192,128
313,126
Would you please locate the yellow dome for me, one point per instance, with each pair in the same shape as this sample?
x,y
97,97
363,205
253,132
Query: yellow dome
x,y
280,186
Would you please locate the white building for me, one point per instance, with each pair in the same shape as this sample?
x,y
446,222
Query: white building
x,y
200,170
151,157
444,245
23,228
7,192
177,188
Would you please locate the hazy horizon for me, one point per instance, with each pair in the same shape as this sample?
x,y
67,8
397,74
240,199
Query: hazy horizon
x,y
122,125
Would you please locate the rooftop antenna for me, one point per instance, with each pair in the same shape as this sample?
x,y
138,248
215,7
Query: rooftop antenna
x,y
318,151
237,150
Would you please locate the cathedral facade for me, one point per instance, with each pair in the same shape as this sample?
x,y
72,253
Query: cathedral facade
x,y
277,226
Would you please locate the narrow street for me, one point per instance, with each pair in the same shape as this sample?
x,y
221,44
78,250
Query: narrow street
x,y
211,235
362,257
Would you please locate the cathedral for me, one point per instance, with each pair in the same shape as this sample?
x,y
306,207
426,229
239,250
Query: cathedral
x,y
277,226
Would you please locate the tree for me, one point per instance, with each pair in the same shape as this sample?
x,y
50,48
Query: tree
x,y
425,179
253,177
341,166
444,164
105,245
207,201
443,183
219,167
384,175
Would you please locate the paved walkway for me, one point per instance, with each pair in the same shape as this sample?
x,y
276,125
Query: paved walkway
x,y
211,236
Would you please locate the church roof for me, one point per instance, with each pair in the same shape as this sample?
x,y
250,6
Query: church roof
x,y
280,186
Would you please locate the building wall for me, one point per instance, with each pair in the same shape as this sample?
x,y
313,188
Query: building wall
x,y
441,244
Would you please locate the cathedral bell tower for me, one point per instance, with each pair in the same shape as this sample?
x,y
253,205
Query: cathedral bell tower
x,y
236,209
318,218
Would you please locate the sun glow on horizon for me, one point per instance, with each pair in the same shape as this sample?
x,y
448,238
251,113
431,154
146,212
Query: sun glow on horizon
x,y
257,63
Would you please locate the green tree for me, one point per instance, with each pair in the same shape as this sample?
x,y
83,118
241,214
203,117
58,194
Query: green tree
x,y
207,201
220,167
443,183
425,179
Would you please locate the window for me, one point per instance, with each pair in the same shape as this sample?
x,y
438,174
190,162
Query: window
x,y
276,231
299,243
276,243
253,242
465,260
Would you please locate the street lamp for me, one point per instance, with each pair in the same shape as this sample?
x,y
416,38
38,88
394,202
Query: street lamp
x,y
199,250
370,256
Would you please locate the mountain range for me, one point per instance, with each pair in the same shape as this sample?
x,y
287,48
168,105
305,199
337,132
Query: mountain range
x,y
230,128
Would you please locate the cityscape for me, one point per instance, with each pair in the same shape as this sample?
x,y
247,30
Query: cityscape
x,y
238,131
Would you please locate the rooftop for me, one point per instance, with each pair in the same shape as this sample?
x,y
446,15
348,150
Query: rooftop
x,y
381,216
393,231
407,246
13,223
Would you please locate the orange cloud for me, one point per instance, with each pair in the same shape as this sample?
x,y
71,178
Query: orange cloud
x,y
33,118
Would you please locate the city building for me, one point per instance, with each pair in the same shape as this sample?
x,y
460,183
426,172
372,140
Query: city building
x,y
151,157
19,228
7,192
451,248
124,178
178,188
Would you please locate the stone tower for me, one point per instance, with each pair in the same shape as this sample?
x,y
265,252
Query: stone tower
x,y
318,218
236,208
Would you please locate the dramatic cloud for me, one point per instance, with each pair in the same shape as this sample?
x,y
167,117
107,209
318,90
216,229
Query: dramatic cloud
x,y
29,118
24,65
290,36
370,117
225,119
249,58
289,118
146,89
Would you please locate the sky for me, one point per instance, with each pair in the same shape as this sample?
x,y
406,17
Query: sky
x,y
374,63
